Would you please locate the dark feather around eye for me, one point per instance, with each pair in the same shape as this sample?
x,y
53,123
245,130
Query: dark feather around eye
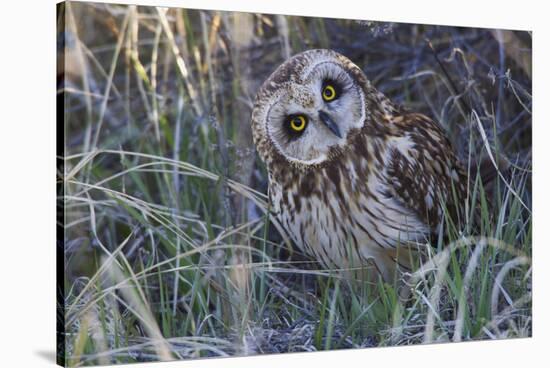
x,y
335,84
291,133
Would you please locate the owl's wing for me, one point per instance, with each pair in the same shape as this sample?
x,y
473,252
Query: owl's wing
x,y
424,172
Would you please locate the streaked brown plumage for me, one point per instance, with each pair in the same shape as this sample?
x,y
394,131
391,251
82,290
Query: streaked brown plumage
x,y
361,180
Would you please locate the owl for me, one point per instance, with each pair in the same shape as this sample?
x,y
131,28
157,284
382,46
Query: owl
x,y
354,180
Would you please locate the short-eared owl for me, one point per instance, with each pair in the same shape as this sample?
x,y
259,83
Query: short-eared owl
x,y
353,179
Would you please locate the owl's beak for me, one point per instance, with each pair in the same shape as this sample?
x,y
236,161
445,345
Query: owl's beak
x,y
329,123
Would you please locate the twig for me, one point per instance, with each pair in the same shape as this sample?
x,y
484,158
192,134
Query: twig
x,y
463,105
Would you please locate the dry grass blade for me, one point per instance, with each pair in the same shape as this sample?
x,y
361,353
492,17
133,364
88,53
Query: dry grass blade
x,y
472,264
491,157
71,24
80,165
112,258
138,305
182,67
108,86
497,288
439,264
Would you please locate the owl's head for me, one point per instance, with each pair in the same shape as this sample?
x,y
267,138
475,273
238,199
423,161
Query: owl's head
x,y
308,106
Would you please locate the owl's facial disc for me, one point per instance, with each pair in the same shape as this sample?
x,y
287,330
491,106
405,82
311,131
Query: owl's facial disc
x,y
314,112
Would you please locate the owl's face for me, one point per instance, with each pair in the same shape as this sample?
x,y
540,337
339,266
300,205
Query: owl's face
x,y
310,104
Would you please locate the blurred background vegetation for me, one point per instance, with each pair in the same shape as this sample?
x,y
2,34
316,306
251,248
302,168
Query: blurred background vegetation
x,y
168,253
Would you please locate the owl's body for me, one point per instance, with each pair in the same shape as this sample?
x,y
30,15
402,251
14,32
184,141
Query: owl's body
x,y
353,180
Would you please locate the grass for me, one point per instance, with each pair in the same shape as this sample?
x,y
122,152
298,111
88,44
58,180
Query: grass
x,y
168,249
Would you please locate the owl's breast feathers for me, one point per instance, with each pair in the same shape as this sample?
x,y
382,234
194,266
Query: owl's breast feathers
x,y
390,185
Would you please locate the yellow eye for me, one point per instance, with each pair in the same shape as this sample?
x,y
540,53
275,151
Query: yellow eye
x,y
329,93
298,123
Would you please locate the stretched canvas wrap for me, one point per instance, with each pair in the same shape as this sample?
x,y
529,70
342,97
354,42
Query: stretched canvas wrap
x,y
235,184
